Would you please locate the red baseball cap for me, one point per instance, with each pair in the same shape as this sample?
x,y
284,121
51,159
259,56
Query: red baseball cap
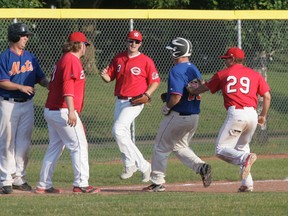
x,y
135,35
78,37
234,52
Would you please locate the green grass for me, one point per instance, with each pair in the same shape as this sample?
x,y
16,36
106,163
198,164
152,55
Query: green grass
x,y
107,174
168,203
105,165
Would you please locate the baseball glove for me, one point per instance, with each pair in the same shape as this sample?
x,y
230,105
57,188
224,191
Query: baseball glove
x,y
163,97
140,99
194,83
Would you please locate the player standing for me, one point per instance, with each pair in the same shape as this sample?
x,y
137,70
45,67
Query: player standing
x,y
19,72
135,74
240,88
63,106
181,112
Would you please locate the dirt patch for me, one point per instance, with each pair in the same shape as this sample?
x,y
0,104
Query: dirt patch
x,y
215,187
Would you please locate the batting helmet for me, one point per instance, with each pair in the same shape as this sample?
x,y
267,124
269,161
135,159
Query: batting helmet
x,y
15,30
180,47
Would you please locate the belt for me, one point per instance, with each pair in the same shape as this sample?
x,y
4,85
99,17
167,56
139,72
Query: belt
x,y
53,109
123,98
241,107
19,100
185,114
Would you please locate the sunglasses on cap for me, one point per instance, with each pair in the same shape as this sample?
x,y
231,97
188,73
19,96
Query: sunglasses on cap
x,y
132,41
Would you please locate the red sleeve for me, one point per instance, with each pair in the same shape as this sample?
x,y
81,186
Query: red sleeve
x,y
69,76
153,75
214,83
263,86
111,71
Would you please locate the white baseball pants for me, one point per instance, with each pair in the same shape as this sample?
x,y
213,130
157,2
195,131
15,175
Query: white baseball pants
x,y
174,135
62,135
124,115
16,125
232,144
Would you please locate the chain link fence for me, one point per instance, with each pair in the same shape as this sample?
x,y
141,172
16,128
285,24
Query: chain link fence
x,y
264,39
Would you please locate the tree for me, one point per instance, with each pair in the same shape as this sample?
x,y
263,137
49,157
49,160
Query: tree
x,y
77,3
213,4
21,3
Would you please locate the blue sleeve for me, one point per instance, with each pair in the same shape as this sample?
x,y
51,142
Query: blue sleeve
x,y
36,67
3,67
176,83
193,73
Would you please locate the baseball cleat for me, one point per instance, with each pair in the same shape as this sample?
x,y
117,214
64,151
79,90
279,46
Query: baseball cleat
x,y
7,189
47,191
23,187
250,160
128,172
88,189
155,188
205,172
245,189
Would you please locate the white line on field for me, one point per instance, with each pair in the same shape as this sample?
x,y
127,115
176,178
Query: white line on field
x,y
194,184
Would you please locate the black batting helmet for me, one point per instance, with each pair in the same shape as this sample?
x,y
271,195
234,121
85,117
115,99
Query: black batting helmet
x,y
15,30
180,47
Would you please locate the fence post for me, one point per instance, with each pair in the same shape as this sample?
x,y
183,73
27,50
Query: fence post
x,y
133,123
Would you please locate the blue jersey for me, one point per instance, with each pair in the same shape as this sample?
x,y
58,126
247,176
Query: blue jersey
x,y
179,77
22,69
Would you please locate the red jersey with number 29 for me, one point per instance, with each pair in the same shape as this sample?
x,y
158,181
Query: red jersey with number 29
x,y
240,86
67,79
133,74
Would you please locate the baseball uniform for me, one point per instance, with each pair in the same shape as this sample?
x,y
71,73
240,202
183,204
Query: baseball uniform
x,y
177,128
240,87
67,79
133,75
16,114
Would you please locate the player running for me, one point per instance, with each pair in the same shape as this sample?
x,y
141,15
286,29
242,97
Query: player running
x,y
240,88
181,113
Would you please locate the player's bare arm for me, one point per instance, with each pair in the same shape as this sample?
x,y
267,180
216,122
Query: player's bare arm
x,y
72,119
196,91
44,82
14,86
152,88
266,106
174,99
105,75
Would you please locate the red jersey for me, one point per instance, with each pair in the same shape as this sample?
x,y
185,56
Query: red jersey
x,y
67,79
240,86
133,74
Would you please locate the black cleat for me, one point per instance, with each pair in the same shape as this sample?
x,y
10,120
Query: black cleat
x,y
205,172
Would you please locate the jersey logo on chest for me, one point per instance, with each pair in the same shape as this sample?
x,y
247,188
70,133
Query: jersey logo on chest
x,y
16,69
135,70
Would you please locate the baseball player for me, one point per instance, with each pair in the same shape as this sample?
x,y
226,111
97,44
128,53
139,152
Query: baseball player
x,y
62,109
136,79
19,72
240,88
181,112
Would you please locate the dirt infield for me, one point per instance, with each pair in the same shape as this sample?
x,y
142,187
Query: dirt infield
x,y
215,187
